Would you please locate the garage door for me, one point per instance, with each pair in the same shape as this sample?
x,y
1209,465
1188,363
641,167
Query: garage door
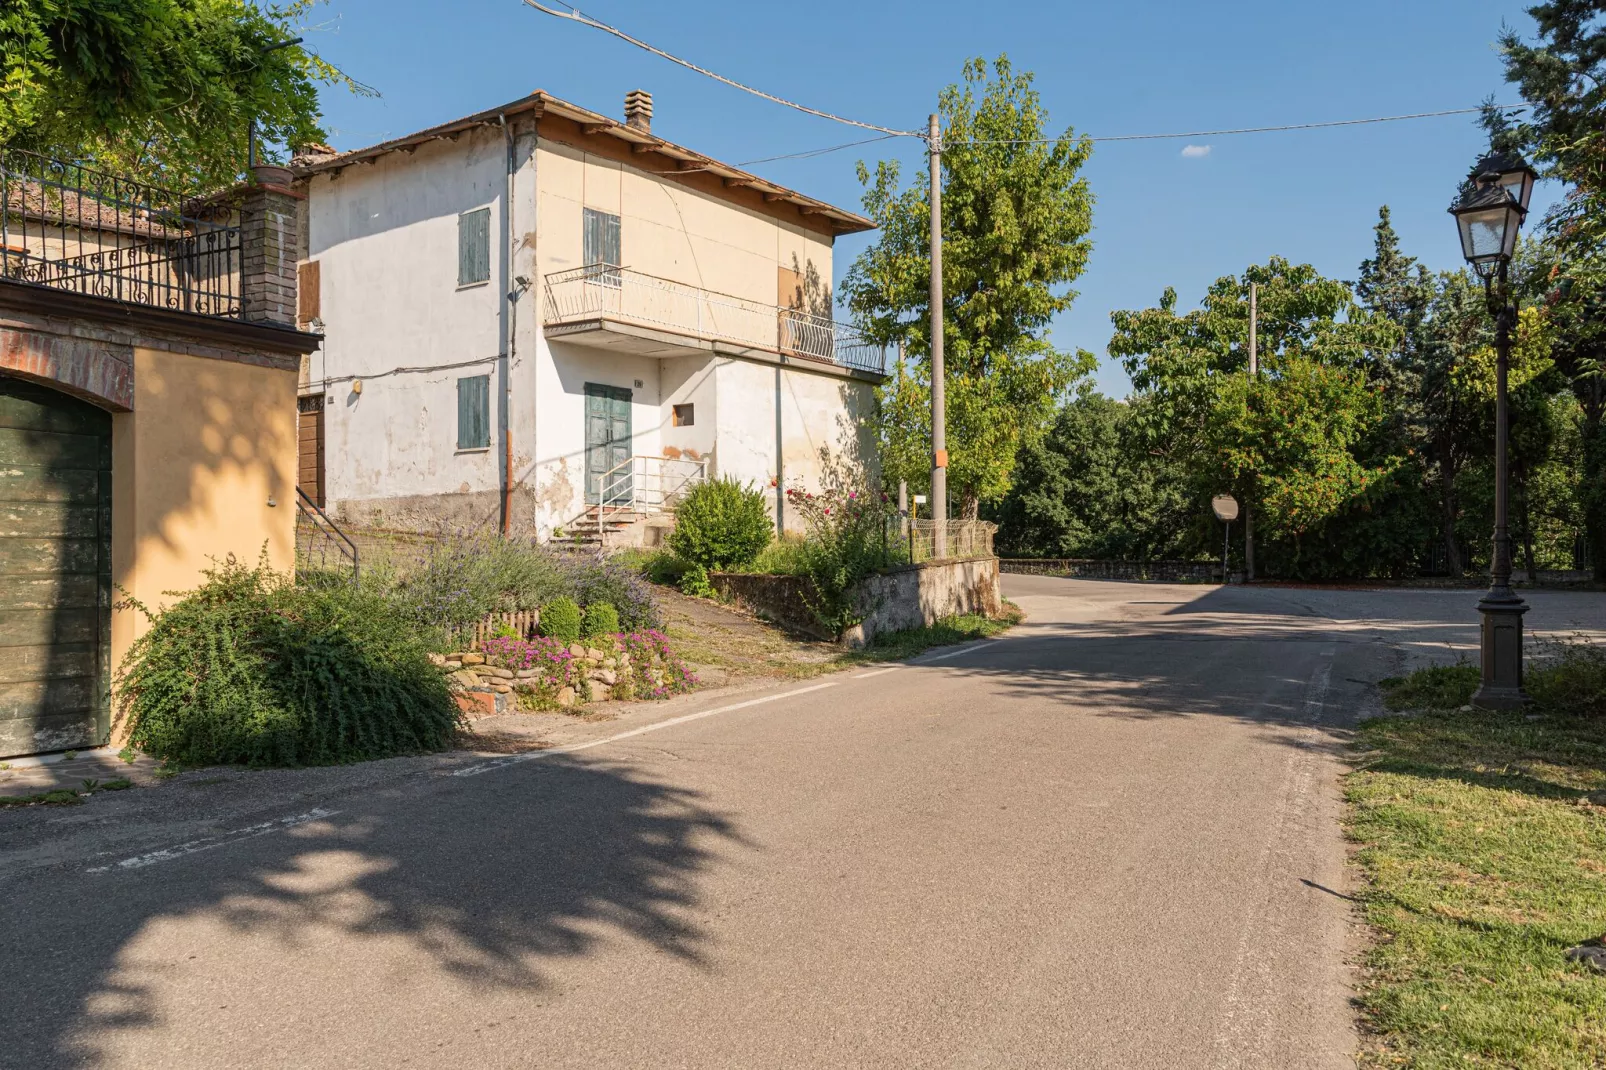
x,y
55,570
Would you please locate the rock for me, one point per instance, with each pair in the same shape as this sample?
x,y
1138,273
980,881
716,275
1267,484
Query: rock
x,y
565,696
438,660
576,650
525,674
605,677
473,659
1465,709
475,705
466,678
499,673
502,689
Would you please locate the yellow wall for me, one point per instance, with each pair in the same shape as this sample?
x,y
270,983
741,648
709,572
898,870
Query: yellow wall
x,y
193,467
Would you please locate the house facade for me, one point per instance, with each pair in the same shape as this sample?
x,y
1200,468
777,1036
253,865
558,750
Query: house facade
x,y
538,314
148,370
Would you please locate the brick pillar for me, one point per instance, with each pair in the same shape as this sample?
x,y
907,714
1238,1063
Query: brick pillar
x,y
269,235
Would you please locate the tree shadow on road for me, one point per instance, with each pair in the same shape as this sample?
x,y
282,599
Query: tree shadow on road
x,y
490,880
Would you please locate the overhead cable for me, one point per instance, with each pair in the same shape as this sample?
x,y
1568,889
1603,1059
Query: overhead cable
x,y
574,14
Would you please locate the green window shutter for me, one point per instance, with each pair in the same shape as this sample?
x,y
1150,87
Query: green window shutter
x,y
602,244
474,412
474,247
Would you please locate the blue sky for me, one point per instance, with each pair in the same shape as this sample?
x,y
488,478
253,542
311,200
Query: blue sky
x,y
1163,217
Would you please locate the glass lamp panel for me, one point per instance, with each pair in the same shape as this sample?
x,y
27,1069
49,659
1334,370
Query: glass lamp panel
x,y
1518,185
1483,232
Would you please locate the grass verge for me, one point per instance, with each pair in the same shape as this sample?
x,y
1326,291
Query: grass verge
x,y
1482,836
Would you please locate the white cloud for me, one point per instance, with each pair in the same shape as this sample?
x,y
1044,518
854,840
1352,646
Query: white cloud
x,y
1192,152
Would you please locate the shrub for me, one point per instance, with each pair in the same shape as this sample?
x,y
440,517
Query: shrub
x,y
463,577
721,524
663,567
694,581
673,676
251,669
603,579
560,620
600,619
846,542
783,557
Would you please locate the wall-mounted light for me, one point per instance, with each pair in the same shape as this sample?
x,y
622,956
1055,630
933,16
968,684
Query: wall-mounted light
x,y
272,502
356,386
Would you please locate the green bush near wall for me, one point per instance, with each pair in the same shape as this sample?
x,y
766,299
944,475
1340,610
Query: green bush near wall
x,y
252,669
721,524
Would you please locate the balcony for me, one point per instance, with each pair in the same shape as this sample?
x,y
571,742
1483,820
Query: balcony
x,y
616,308
68,227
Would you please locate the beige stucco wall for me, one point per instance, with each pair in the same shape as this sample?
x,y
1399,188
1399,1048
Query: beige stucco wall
x,y
669,230
194,466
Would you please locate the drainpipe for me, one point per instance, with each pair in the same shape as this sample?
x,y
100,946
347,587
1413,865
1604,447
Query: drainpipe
x,y
511,294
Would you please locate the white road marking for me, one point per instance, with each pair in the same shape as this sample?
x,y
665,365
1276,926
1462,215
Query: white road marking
x,y
167,854
954,653
878,672
530,756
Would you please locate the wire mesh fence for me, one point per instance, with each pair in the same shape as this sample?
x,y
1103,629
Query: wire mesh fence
x,y
917,540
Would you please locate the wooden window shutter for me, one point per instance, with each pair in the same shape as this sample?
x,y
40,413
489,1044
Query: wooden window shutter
x,y
474,247
309,291
474,412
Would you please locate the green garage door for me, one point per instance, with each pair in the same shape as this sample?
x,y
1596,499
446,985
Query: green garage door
x,y
55,570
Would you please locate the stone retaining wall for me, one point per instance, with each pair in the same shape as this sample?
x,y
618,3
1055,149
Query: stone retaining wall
x,y
913,596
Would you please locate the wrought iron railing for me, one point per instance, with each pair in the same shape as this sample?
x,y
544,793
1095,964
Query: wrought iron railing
x,y
321,547
70,227
613,292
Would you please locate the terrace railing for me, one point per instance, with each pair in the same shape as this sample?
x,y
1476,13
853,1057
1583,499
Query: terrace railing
x,y
70,227
619,293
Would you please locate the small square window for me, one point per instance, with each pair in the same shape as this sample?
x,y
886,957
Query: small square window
x,y
474,412
474,247
685,415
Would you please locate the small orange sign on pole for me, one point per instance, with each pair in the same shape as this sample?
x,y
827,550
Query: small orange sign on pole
x,y
942,458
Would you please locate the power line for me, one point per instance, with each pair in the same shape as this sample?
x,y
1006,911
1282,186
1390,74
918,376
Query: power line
x,y
574,14
1238,130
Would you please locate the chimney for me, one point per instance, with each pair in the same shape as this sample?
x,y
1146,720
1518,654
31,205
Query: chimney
x,y
638,110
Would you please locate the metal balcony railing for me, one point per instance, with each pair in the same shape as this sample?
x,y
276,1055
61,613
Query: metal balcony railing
x,y
608,291
69,227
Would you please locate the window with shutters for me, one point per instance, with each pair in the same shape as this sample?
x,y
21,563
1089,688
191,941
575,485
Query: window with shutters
x,y
474,247
474,412
602,246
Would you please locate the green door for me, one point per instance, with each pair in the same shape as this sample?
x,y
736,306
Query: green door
x,y
55,570
607,443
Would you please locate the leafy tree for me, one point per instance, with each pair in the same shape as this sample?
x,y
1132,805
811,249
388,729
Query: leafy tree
x,y
1016,215
1562,74
160,89
1087,487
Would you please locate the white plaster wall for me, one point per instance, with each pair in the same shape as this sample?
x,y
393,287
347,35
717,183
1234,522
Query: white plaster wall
x,y
562,370
385,235
824,426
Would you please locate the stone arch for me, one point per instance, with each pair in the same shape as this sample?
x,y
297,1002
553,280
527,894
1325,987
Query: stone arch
x,y
95,370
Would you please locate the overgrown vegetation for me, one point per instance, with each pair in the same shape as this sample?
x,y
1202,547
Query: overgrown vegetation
x,y
252,669
721,524
1483,839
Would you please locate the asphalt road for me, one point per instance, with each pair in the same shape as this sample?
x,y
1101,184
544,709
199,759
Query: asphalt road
x,y
1109,839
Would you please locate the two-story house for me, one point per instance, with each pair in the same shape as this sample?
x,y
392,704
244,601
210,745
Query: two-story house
x,y
538,312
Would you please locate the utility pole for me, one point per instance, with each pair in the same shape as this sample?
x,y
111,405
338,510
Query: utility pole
x,y
1249,505
939,433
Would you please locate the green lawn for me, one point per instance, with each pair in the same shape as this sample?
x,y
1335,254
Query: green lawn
x,y
1483,840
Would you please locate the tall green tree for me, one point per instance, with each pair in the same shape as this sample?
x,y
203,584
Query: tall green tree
x,y
159,89
1088,487
1016,214
1562,75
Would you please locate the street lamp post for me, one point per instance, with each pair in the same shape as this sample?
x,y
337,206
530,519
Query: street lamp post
x,y
1488,214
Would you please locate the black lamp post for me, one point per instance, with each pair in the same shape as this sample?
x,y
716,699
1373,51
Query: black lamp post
x,y
1489,213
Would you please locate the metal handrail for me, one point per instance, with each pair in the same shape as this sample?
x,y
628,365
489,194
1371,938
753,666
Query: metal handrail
x,y
612,482
626,294
320,522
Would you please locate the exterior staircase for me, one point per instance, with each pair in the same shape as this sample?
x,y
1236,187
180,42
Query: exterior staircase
x,y
640,495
